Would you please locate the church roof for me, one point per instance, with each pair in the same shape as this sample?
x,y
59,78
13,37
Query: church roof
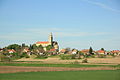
x,y
43,42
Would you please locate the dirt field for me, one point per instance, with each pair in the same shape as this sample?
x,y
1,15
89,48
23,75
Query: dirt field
x,y
115,60
14,69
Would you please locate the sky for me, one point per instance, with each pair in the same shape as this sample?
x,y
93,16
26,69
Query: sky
x,y
74,23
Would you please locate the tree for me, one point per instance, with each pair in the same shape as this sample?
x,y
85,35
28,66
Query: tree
x,y
49,47
40,49
23,45
16,47
30,47
67,50
91,51
102,49
34,46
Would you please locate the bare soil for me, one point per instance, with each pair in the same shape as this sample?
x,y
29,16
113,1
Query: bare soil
x,y
14,69
104,61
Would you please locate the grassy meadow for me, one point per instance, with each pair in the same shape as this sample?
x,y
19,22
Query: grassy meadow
x,y
63,75
37,64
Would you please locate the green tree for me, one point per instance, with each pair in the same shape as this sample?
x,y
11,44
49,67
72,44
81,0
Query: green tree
x,y
23,45
67,50
16,47
30,47
40,49
49,47
34,46
102,49
91,51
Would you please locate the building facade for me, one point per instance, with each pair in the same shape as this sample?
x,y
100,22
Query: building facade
x,y
50,41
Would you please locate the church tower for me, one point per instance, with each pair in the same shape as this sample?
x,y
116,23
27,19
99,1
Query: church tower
x,y
50,39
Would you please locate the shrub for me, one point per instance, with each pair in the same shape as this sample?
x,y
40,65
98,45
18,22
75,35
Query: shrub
x,y
85,60
65,57
5,59
73,56
15,56
75,62
93,56
24,55
86,56
101,56
112,55
43,56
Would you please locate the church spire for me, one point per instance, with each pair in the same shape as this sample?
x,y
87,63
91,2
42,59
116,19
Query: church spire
x,y
50,39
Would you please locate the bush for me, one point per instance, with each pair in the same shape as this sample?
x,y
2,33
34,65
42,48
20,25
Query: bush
x,y
112,55
73,56
101,56
5,59
65,57
15,56
85,61
43,56
86,56
24,55
92,56
75,62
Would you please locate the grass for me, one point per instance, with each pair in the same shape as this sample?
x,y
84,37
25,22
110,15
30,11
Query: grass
x,y
63,75
39,64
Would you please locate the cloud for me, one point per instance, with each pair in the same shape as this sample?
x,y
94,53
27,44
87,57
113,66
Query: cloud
x,y
102,5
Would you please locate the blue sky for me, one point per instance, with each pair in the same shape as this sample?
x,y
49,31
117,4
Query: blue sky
x,y
74,23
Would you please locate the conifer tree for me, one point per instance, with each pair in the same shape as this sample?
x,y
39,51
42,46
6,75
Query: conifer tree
x,y
91,51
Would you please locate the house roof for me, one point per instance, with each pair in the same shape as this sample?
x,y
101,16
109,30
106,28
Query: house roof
x,y
62,50
43,42
11,50
100,51
52,49
115,51
85,50
1,49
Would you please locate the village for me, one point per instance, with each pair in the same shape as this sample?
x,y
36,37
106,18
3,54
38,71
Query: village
x,y
46,49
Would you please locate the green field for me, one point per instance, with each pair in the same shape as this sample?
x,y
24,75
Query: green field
x,y
56,65
64,75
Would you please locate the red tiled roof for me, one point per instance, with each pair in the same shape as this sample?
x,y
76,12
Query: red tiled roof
x,y
11,50
115,51
62,50
44,42
101,51
85,50
52,49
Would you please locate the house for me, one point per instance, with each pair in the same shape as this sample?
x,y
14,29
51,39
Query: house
x,y
100,52
85,51
115,52
53,51
11,51
1,50
62,51
65,51
74,51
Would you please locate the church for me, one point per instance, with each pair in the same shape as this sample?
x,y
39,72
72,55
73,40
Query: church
x,y
50,41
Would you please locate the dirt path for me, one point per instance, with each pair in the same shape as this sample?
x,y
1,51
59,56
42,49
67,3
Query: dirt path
x,y
14,69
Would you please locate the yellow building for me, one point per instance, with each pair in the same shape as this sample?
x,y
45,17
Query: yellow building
x,y
49,42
